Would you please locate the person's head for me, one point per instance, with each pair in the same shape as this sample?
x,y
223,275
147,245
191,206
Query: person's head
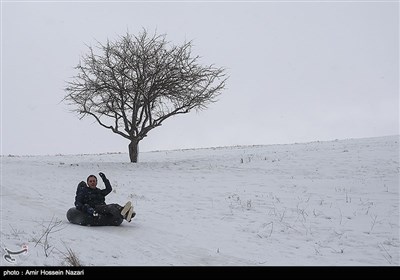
x,y
92,181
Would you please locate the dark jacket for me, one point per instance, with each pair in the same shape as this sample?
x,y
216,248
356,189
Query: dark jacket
x,y
88,198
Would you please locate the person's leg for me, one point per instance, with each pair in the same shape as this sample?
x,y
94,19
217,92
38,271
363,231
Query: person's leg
x,y
109,214
109,209
115,210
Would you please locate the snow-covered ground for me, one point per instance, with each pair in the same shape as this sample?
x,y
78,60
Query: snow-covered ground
x,y
321,204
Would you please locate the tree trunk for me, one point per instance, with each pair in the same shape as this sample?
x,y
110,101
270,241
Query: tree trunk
x,y
134,151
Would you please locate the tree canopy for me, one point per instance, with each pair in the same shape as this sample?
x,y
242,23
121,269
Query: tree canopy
x,y
133,84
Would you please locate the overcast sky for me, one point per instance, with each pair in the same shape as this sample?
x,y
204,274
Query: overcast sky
x,y
299,71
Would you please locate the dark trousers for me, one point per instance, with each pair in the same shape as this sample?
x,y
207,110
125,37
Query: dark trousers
x,y
109,210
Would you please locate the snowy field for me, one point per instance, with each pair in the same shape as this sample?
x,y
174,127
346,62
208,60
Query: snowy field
x,y
309,204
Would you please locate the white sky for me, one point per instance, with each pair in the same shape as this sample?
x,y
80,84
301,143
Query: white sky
x,y
299,71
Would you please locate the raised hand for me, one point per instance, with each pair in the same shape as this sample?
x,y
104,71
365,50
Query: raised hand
x,y
102,175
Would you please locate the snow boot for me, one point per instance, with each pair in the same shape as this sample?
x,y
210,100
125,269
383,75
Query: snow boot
x,y
126,208
130,215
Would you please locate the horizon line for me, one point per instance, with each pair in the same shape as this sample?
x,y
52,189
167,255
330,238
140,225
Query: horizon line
x,y
199,148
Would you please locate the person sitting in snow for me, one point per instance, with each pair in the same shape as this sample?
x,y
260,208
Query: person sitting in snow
x,y
90,199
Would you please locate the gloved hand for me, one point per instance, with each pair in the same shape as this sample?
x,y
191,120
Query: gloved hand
x,y
92,212
103,176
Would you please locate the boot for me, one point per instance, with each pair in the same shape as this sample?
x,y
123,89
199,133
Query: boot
x,y
130,215
126,208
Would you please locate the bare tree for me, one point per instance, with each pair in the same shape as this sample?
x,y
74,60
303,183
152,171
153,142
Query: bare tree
x,y
133,84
